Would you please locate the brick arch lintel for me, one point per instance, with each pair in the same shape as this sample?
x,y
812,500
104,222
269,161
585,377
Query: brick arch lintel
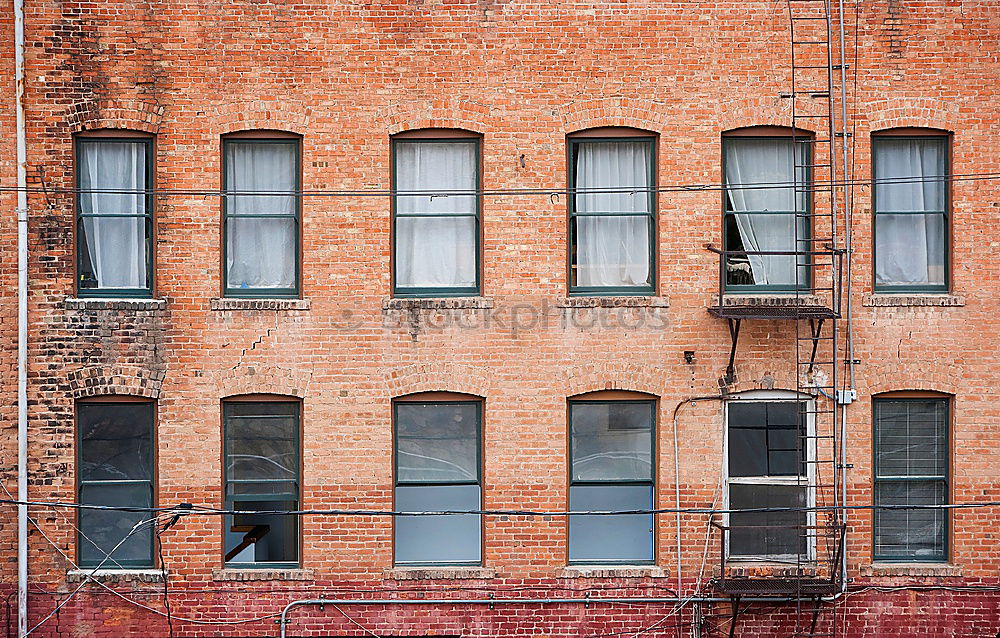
x,y
613,111
613,376
447,113
116,380
279,115
920,112
753,111
437,377
119,113
263,379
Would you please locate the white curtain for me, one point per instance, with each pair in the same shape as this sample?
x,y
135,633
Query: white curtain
x,y
436,235
117,245
260,253
909,248
767,161
613,250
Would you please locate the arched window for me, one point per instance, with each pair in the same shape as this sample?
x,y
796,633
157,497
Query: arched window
x,y
612,211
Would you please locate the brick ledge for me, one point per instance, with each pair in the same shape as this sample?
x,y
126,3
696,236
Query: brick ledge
x,y
230,574
95,303
614,302
613,571
437,303
224,303
907,300
439,573
117,575
911,569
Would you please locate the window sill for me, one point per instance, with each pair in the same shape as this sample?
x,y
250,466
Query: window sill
x,y
614,302
117,575
613,571
911,569
437,303
899,300
763,569
227,574
113,303
767,300
224,304
439,573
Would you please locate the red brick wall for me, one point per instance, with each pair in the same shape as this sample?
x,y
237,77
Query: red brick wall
x,y
346,76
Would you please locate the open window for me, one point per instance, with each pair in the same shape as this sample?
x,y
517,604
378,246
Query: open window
x,y
262,474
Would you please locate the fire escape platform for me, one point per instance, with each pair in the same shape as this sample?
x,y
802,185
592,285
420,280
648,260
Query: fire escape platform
x,y
788,586
789,311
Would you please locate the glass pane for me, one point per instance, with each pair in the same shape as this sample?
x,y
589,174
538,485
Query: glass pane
x,y
910,165
620,538
611,441
261,447
101,530
113,252
262,538
916,534
613,165
910,249
260,253
261,166
764,438
438,539
767,533
437,442
912,437
112,165
438,167
115,441
612,251
436,252
767,163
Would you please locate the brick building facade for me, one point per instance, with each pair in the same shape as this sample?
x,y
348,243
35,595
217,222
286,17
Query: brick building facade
x,y
351,87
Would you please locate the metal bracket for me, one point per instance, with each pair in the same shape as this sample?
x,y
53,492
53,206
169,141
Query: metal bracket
x,y
734,337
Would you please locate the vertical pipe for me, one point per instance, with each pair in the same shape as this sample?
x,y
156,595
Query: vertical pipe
x,y
22,325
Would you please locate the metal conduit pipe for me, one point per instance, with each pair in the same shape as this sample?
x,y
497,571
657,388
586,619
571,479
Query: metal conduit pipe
x,y
504,601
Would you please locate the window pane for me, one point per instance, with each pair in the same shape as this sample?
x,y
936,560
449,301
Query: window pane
x,y
768,163
910,249
438,167
115,441
611,441
611,538
437,442
436,252
101,530
912,438
910,161
767,533
262,538
112,166
765,438
437,539
262,447
261,166
260,253
613,165
916,534
612,251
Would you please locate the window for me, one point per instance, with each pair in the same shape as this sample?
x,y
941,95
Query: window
x,y
612,244
911,213
261,474
114,226
911,468
437,468
436,236
767,452
261,231
611,468
762,223
114,468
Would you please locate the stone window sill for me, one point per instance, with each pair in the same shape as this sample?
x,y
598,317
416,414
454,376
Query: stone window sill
x,y
614,302
911,300
224,574
439,573
223,304
911,569
438,303
767,300
87,303
613,571
117,575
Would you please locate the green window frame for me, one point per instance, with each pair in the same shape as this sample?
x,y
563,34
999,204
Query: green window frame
x,y
425,479
115,467
576,216
403,218
598,483
736,268
88,282
293,218
262,472
911,463
881,213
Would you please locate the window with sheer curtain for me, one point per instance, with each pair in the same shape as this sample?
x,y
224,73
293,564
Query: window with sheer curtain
x,y
436,216
761,208
611,461
911,216
114,216
612,217
437,469
261,217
